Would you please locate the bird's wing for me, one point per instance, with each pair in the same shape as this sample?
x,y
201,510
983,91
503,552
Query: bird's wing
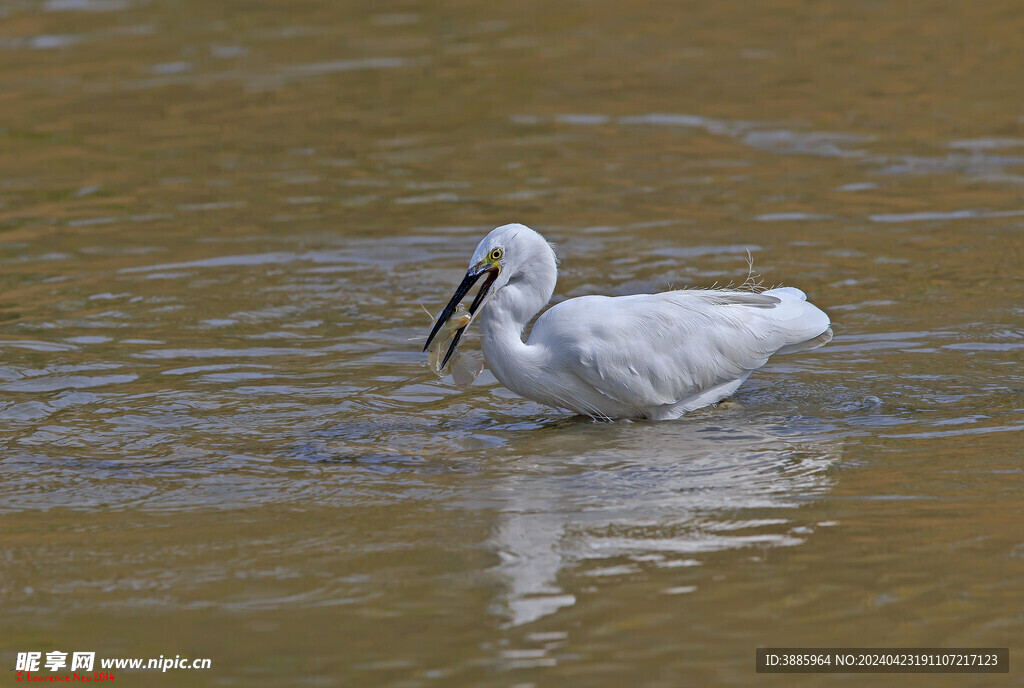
x,y
656,349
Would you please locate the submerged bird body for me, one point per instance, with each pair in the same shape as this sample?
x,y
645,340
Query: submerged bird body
x,y
653,356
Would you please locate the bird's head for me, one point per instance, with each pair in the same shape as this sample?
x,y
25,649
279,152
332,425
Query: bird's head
x,y
507,255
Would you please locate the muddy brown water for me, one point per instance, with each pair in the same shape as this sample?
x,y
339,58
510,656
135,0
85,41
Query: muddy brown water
x,y
219,437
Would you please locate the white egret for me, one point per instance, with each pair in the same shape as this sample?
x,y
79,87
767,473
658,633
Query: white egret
x,y
654,356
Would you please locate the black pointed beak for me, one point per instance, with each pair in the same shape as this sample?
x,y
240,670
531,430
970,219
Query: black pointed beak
x,y
474,274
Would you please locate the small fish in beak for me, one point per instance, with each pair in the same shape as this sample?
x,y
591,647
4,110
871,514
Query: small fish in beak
x,y
464,368
485,267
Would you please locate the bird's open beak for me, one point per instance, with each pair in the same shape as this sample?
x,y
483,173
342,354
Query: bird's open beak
x,y
472,275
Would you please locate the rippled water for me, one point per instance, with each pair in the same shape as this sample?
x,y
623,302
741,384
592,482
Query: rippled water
x,y
218,223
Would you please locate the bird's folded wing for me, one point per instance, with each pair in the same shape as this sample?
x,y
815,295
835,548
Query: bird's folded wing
x,y
656,349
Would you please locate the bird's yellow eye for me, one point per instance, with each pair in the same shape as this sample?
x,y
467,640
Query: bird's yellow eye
x,y
495,254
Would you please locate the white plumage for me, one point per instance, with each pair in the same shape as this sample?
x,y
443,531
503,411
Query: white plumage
x,y
653,356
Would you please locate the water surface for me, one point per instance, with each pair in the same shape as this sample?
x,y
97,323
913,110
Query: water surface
x,y
218,223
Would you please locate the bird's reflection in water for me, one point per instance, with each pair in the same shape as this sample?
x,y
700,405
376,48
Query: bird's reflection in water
x,y
653,494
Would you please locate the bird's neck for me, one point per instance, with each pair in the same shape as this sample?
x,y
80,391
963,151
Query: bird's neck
x,y
514,362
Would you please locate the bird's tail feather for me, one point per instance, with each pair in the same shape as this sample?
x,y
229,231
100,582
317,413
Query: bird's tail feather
x,y
806,325
821,340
